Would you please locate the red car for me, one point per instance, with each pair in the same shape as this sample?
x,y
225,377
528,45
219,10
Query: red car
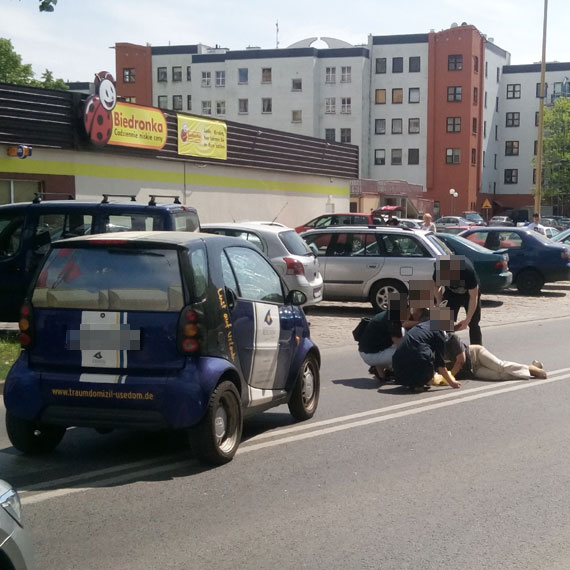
x,y
352,219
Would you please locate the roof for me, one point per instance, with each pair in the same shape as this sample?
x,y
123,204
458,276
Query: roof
x,y
264,226
150,237
82,205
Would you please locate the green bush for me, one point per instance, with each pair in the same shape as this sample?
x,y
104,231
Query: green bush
x,y
9,351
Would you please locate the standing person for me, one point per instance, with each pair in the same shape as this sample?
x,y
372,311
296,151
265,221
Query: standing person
x,y
475,361
421,352
428,225
457,283
536,225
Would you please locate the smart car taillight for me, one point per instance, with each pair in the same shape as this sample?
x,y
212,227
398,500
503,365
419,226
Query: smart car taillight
x,y
25,324
294,266
189,331
565,254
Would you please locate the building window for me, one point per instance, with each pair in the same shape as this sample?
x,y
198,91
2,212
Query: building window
x,y
534,175
177,73
206,107
474,127
454,62
177,102
297,116
453,156
345,74
473,156
380,65
220,107
397,95
511,175
296,85
266,105
161,74
330,135
188,73
498,74
243,75
380,156
511,148
475,95
475,64
536,119
414,95
266,75
346,105
396,126
188,102
413,126
497,105
380,126
414,64
496,132
413,156
380,96
495,162
132,100
513,120
330,105
206,79
330,75
396,158
162,102
453,124
484,129
243,106
397,64
454,94
513,91
485,100
220,78
128,75
483,158
486,69
535,147
345,136
545,90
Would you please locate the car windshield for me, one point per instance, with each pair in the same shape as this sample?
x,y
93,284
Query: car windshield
x,y
110,278
294,243
474,217
540,237
470,244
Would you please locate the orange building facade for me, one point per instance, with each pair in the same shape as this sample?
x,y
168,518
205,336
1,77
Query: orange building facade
x,y
134,73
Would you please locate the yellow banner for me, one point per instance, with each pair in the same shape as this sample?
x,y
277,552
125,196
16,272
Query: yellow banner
x,y
202,137
140,127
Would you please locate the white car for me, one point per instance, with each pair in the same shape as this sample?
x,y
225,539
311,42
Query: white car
x,y
369,263
550,231
285,248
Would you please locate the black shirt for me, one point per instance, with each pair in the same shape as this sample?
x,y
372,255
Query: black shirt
x,y
468,279
377,335
454,346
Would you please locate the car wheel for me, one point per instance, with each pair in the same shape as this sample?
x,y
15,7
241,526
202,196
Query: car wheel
x,y
382,290
32,437
305,396
216,438
529,282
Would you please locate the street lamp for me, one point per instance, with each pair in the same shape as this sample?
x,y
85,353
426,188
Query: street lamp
x,y
452,194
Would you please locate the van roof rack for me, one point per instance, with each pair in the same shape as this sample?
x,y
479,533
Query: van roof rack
x,y
153,197
105,199
38,196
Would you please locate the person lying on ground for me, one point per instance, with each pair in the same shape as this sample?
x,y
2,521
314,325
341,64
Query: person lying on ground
x,y
475,361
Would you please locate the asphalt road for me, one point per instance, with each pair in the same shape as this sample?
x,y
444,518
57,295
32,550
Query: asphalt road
x,y
451,479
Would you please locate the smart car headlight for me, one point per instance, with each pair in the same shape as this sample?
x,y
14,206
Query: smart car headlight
x,y
10,502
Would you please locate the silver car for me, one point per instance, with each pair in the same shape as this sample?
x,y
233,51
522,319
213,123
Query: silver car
x,y
15,545
286,250
367,264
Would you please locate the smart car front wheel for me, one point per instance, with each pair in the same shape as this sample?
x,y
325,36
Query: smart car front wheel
x,y
305,396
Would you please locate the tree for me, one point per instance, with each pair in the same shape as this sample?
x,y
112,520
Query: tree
x,y
12,70
47,5
556,150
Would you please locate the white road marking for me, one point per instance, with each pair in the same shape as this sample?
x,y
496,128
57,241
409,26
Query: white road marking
x,y
423,405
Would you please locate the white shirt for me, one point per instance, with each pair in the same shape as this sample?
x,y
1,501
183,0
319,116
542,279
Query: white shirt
x,y
537,228
428,228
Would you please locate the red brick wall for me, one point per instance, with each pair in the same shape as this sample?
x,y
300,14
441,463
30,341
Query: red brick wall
x,y
139,58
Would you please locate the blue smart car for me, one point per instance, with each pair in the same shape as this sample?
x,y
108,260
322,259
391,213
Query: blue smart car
x,y
158,330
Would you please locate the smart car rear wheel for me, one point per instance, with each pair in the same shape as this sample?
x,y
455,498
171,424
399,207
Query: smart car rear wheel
x,y
305,396
33,437
529,282
381,291
217,436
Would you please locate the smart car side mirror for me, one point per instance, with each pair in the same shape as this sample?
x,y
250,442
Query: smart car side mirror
x,y
295,297
230,298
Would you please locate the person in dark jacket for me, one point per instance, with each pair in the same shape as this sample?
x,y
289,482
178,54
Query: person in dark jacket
x,y
421,353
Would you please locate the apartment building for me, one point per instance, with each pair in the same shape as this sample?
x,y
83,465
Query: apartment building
x,y
429,109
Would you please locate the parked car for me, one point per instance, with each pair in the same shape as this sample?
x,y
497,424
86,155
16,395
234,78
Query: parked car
x,y
411,223
533,258
27,229
550,232
353,219
491,266
474,217
562,237
286,249
367,264
445,221
453,229
16,552
158,331
501,221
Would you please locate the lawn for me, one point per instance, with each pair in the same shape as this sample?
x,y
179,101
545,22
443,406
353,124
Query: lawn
x,y
9,351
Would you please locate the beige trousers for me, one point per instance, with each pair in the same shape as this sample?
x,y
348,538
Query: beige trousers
x,y
488,367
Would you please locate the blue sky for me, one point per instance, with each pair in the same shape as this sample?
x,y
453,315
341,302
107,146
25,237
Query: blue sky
x,y
74,41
